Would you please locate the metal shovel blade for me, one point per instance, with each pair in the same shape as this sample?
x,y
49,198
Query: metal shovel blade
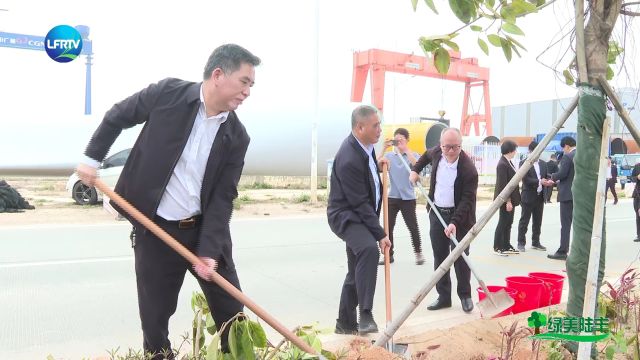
x,y
400,349
495,303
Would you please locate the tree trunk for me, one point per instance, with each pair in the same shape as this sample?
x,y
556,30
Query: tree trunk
x,y
591,115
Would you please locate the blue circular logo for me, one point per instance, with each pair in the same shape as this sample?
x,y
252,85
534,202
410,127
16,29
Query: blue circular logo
x,y
63,43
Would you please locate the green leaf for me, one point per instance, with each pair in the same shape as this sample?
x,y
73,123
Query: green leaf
x,y
431,5
614,51
515,50
483,45
452,45
520,7
50,357
257,334
427,45
490,3
210,324
494,40
212,349
414,4
476,28
610,73
512,29
610,352
508,14
540,3
506,48
441,60
233,342
464,10
515,42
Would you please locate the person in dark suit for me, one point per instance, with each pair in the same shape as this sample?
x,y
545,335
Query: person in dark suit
x,y
504,172
552,167
183,173
352,212
532,202
564,179
612,179
635,176
453,189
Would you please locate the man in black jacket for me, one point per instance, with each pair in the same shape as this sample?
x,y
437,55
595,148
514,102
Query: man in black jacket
x,y
183,173
453,189
612,179
564,179
532,198
352,212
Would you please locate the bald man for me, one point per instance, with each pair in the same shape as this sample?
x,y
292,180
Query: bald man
x,y
453,189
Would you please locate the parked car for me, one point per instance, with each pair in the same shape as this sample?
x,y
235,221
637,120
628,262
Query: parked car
x,y
109,173
625,164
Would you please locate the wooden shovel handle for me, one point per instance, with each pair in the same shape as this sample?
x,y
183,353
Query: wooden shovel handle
x,y
184,252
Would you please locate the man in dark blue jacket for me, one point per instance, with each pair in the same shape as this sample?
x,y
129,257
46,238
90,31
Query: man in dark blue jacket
x,y
564,179
354,206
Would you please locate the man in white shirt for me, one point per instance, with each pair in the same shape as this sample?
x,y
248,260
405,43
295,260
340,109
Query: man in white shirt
x,y
453,188
183,173
532,201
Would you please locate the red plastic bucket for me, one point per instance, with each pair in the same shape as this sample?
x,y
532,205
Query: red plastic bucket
x,y
529,290
493,288
552,291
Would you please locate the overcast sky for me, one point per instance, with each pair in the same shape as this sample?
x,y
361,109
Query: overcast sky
x,y
139,42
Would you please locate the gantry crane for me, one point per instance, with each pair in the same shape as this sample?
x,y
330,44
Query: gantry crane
x,y
464,70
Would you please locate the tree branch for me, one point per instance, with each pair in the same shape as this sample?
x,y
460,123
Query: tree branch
x,y
629,13
612,16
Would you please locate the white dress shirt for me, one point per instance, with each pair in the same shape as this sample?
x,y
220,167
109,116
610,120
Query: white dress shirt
x,y
445,179
181,198
374,170
536,166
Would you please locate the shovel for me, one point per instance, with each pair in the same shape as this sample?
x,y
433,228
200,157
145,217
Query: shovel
x,y
495,302
215,277
394,348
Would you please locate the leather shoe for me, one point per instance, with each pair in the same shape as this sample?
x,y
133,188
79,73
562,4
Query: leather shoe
x,y
343,328
367,324
539,246
558,256
440,304
467,305
381,262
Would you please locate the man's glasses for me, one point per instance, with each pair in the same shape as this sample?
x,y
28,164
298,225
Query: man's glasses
x,y
450,147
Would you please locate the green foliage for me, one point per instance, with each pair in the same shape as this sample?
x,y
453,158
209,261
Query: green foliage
x,y
501,20
302,198
613,54
441,60
554,351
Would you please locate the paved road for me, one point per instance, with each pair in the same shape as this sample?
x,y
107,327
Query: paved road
x,y
70,290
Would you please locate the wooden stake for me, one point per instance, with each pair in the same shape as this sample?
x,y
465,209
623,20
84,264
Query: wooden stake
x,y
581,58
621,110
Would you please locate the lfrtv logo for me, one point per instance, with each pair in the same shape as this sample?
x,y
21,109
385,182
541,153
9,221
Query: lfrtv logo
x,y
63,43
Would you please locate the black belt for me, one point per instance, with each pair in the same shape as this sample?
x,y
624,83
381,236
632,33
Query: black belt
x,y
446,210
187,223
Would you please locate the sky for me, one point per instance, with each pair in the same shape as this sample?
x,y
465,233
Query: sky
x,y
136,43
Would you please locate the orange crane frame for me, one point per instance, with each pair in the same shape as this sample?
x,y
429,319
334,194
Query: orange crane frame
x,y
464,70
